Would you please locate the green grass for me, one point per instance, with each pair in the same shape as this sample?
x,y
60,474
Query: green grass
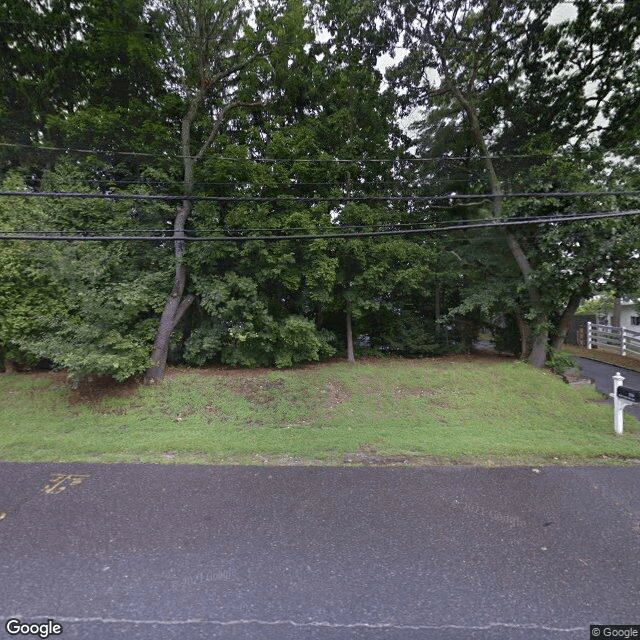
x,y
464,410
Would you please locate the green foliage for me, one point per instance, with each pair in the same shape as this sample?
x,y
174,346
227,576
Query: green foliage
x,y
123,77
510,106
506,335
87,307
599,304
410,337
100,323
558,361
238,329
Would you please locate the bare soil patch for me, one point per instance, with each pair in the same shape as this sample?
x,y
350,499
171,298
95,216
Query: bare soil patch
x,y
94,389
258,390
411,392
367,455
217,370
336,394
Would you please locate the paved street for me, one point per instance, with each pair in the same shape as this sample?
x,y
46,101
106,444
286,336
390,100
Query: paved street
x,y
150,551
602,374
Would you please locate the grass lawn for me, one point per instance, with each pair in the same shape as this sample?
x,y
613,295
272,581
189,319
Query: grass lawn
x,y
459,409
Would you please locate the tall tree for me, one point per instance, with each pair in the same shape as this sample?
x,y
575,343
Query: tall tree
x,y
479,72
211,43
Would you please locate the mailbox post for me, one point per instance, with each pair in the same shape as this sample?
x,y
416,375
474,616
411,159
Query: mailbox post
x,y
622,397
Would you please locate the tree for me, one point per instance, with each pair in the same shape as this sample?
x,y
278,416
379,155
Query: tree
x,y
481,72
79,75
210,43
85,306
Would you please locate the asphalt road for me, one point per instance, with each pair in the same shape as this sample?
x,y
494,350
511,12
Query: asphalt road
x,y
602,374
195,552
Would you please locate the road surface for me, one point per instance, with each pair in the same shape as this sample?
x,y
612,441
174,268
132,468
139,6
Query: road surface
x,y
194,552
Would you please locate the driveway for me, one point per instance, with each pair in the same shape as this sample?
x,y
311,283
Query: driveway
x,y
195,552
602,375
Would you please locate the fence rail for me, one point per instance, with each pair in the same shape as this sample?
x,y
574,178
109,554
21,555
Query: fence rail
x,y
602,336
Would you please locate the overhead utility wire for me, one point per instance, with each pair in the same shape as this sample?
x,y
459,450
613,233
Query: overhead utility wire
x,y
365,234
310,160
106,181
341,198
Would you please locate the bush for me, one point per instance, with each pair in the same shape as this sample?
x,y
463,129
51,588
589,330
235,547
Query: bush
x,y
558,361
265,342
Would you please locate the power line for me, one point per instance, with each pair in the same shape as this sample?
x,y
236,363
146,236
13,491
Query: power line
x,y
317,199
166,155
491,222
246,183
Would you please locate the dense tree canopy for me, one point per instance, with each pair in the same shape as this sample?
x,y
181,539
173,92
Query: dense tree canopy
x,y
288,116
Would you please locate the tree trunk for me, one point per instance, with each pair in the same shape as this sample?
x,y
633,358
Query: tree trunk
x,y
525,336
171,315
351,359
9,366
617,312
175,306
565,322
319,316
538,355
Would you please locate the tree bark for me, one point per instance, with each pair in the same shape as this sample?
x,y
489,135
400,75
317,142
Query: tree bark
x,y
9,366
617,312
175,306
525,336
172,313
319,316
538,355
351,359
565,322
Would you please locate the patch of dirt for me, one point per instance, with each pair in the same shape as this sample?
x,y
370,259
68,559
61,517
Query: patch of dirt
x,y
283,461
180,415
94,389
251,383
212,410
290,461
59,378
336,394
217,370
258,390
306,423
120,411
411,392
91,390
476,357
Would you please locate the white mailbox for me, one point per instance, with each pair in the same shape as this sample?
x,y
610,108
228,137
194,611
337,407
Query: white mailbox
x,y
622,397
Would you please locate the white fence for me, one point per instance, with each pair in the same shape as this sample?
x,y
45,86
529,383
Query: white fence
x,y
624,341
